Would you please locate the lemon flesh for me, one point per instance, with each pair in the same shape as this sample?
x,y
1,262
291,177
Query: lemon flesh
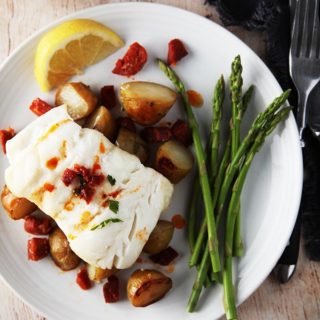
x,y
70,47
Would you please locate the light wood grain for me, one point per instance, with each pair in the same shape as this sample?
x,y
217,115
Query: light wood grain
x,y
297,300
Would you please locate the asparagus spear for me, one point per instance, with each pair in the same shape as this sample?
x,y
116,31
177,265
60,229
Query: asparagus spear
x,y
218,97
229,297
194,297
198,284
221,172
238,244
258,128
217,106
203,175
214,142
217,183
193,214
216,188
231,216
236,106
246,99
258,124
192,223
226,155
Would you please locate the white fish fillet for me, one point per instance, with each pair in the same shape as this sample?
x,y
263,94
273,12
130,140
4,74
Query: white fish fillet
x,y
144,193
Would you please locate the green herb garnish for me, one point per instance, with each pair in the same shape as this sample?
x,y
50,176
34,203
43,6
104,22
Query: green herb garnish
x,y
113,205
111,179
105,223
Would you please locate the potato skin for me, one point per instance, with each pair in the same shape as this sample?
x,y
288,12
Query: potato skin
x,y
102,120
131,142
78,97
61,252
98,274
160,237
174,160
146,102
17,208
147,286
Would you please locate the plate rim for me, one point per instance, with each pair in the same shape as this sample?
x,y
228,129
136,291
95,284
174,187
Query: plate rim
x,y
78,14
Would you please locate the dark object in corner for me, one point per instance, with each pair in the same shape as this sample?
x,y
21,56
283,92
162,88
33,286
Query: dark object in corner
x,y
251,14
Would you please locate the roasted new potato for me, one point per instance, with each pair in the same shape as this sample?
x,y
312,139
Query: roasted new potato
x,y
61,252
98,274
146,102
160,237
17,208
147,286
174,160
78,97
132,143
102,120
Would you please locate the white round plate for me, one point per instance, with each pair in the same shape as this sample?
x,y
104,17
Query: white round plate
x,y
272,192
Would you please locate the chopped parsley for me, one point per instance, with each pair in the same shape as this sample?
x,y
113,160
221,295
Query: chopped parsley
x,y
111,179
105,223
113,205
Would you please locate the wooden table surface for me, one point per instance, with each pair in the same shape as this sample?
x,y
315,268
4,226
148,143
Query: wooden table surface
x,y
297,300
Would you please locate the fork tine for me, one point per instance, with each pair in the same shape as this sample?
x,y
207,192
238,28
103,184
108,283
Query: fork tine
x,y
305,40
314,50
296,30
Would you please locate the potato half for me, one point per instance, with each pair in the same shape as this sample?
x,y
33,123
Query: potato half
x,y
131,142
102,120
98,274
160,237
147,286
146,102
61,252
78,97
174,160
17,208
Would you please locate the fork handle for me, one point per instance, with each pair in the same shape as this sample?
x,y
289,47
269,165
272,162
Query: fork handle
x,y
302,113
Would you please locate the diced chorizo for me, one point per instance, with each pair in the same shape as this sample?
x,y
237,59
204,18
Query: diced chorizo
x,y
6,135
38,225
111,290
165,257
127,123
40,107
176,51
83,279
182,132
38,248
108,97
156,134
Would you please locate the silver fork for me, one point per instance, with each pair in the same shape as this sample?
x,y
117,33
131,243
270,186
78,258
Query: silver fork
x,y
304,57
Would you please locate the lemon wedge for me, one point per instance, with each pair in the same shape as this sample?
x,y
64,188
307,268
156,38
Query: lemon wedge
x,y
70,47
